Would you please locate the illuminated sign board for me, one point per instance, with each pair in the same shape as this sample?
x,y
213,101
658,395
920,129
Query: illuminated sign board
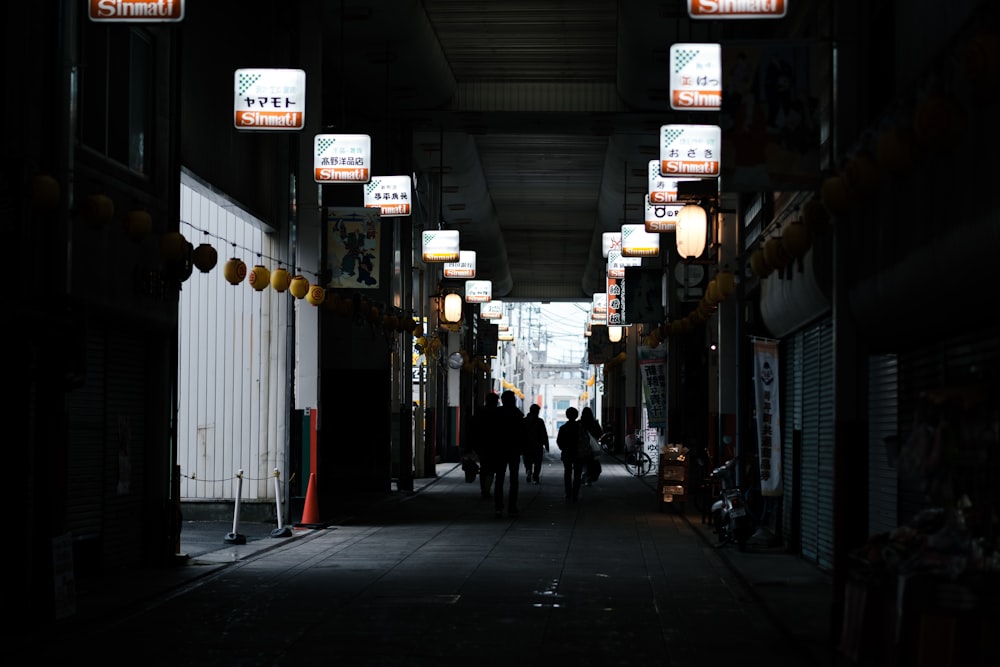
x,y
269,99
391,195
342,158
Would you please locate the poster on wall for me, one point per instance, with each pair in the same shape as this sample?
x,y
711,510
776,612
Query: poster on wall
x,y
765,380
352,248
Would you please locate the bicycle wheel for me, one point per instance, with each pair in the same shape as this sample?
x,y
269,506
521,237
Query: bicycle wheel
x,y
643,465
607,443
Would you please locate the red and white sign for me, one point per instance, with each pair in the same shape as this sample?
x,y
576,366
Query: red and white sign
x,y
342,158
737,9
637,242
136,11
693,150
617,262
695,77
478,291
610,241
493,310
441,245
661,217
391,195
465,267
269,99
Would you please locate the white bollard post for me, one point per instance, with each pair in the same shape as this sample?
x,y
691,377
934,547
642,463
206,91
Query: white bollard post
x,y
280,531
235,537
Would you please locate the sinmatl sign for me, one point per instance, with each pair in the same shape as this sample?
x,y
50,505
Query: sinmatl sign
x,y
136,11
737,9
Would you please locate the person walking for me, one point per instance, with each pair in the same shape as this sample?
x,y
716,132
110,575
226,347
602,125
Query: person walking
x,y
536,444
574,464
511,437
593,429
482,435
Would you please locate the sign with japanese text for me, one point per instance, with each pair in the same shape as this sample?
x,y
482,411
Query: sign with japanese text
x,y
492,310
342,158
391,195
270,99
695,77
478,291
440,245
652,362
637,242
661,217
617,262
737,9
768,414
693,150
465,267
662,189
610,241
136,11
614,301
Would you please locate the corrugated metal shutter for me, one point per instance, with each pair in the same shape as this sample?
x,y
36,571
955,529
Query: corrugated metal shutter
x,y
791,438
125,435
883,417
86,441
816,472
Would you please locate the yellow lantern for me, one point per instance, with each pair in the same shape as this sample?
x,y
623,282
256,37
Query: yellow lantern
x,y
712,293
316,294
280,279
726,281
299,286
759,265
259,277
173,245
862,176
98,209
235,271
795,238
835,194
43,192
205,257
137,224
774,252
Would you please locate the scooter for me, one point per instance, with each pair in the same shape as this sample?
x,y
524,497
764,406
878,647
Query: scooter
x,y
729,511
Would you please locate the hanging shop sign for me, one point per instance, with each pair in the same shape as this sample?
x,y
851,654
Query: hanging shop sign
x,y
637,242
695,77
693,150
661,218
492,310
270,99
465,267
440,245
610,241
478,291
599,309
136,11
617,263
737,9
391,195
342,158
768,414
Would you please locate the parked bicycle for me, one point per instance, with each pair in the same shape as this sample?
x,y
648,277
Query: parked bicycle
x,y
637,461
607,442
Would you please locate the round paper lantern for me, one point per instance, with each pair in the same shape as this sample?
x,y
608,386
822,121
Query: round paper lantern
x,y
235,271
316,294
712,294
774,252
795,238
280,279
43,192
98,209
836,195
299,286
939,122
862,176
759,265
815,217
726,280
205,257
137,224
259,277
896,150
690,230
173,245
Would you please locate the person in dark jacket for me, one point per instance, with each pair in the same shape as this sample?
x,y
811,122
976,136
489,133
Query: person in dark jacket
x,y
511,437
482,435
537,443
567,439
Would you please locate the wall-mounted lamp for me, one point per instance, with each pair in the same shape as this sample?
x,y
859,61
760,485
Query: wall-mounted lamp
x,y
614,333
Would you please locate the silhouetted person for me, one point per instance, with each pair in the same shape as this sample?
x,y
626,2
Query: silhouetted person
x,y
482,436
511,436
568,441
593,429
536,444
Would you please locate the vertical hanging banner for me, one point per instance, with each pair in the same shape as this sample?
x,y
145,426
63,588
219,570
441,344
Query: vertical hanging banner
x,y
695,77
614,301
352,248
652,362
269,99
765,353
771,135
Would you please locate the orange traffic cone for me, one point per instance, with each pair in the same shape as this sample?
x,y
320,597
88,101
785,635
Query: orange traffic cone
x,y
310,512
